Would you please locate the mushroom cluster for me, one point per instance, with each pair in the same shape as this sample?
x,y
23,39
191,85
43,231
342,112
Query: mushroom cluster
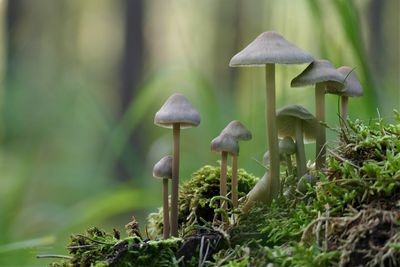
x,y
288,128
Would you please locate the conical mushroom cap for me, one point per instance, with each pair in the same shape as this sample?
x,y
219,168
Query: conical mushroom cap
x,y
287,117
163,168
225,143
237,130
352,86
177,109
270,47
320,71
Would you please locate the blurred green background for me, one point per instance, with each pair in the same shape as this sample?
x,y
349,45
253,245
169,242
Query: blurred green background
x,y
82,80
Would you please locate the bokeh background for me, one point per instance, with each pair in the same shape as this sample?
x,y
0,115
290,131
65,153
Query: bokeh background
x,y
82,80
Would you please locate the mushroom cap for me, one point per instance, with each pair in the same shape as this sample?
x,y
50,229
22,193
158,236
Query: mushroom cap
x,y
163,168
287,146
320,71
237,130
177,109
270,47
352,86
287,117
225,143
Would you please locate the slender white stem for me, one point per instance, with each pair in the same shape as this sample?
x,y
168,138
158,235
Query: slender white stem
x,y
320,149
222,182
343,107
175,181
272,137
234,181
166,227
300,152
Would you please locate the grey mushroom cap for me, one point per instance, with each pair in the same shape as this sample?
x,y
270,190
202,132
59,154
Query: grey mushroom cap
x,y
270,48
177,109
163,168
352,86
287,117
287,146
320,71
225,143
267,156
237,130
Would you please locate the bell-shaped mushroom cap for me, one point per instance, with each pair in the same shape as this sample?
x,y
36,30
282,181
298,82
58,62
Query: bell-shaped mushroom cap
x,y
352,86
320,71
287,146
163,168
267,156
225,143
237,130
270,47
287,117
177,109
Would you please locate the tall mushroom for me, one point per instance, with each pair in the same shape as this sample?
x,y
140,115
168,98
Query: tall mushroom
x,y
176,113
352,88
163,170
323,75
268,49
238,131
297,122
224,143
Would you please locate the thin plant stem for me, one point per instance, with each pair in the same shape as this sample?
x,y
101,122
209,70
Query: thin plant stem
x,y
320,150
234,181
166,226
288,159
175,181
272,137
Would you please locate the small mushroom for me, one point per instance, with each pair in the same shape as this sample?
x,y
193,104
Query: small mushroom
x,y
268,49
238,131
287,147
323,75
176,113
163,170
304,180
224,144
297,122
352,88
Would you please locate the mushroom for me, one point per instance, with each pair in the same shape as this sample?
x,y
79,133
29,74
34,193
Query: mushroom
x,y
225,144
163,170
261,192
297,122
268,49
176,113
323,75
287,147
238,131
352,88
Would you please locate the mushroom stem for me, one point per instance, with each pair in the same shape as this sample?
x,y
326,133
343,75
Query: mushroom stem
x,y
234,181
166,227
343,107
300,152
288,159
320,149
222,182
175,180
261,192
272,137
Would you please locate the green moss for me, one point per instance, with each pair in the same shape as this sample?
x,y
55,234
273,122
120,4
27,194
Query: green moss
x,y
195,197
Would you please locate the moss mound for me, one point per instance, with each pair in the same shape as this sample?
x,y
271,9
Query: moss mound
x,y
350,217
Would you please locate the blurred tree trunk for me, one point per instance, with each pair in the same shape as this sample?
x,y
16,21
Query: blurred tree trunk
x,y
13,16
375,21
131,69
